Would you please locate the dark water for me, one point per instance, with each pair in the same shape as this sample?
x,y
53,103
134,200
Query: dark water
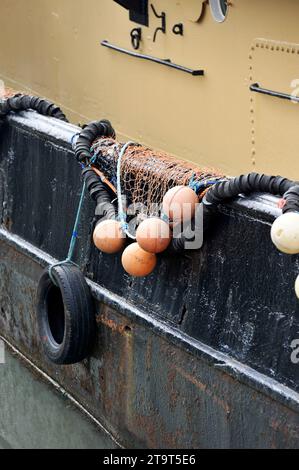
x,y
33,415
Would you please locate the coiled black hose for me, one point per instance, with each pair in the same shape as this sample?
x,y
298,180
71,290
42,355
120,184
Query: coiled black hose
x,y
22,102
98,191
224,191
89,134
292,200
100,194
255,182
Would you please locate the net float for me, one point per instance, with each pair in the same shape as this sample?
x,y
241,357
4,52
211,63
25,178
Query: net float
x,y
138,262
285,233
153,235
179,203
108,237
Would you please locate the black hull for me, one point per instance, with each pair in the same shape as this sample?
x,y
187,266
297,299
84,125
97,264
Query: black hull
x,y
198,355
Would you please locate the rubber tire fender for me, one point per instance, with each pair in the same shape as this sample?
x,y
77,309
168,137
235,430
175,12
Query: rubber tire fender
x,y
65,314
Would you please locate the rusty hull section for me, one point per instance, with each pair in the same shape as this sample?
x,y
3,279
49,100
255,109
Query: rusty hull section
x,y
198,355
145,389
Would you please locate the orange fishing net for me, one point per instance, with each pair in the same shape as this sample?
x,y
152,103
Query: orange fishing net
x,y
147,174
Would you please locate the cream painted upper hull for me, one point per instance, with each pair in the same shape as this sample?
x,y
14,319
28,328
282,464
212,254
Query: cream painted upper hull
x,y
52,48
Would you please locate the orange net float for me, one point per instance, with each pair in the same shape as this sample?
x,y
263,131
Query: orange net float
x,y
179,203
138,262
108,237
153,235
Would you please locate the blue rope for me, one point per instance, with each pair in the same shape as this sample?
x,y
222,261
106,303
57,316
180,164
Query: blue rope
x,y
74,236
197,186
73,143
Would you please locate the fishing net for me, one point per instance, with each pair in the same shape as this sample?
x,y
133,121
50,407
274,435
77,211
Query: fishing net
x,y
146,174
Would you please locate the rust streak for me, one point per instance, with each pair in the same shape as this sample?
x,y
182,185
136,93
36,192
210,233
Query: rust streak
x,y
204,388
113,325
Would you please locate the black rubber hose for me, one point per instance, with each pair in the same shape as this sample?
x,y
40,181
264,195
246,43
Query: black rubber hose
x,y
245,184
292,200
26,102
100,194
98,191
255,182
224,191
88,135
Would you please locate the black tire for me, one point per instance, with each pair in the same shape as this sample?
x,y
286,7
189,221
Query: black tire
x,y
65,314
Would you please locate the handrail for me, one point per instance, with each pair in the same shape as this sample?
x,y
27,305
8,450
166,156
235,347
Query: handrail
x,y
166,62
277,94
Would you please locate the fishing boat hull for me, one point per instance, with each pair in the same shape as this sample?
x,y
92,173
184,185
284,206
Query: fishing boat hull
x,y
199,355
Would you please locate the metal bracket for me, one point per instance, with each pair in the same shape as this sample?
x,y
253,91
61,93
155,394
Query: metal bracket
x,y
277,94
166,62
136,36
